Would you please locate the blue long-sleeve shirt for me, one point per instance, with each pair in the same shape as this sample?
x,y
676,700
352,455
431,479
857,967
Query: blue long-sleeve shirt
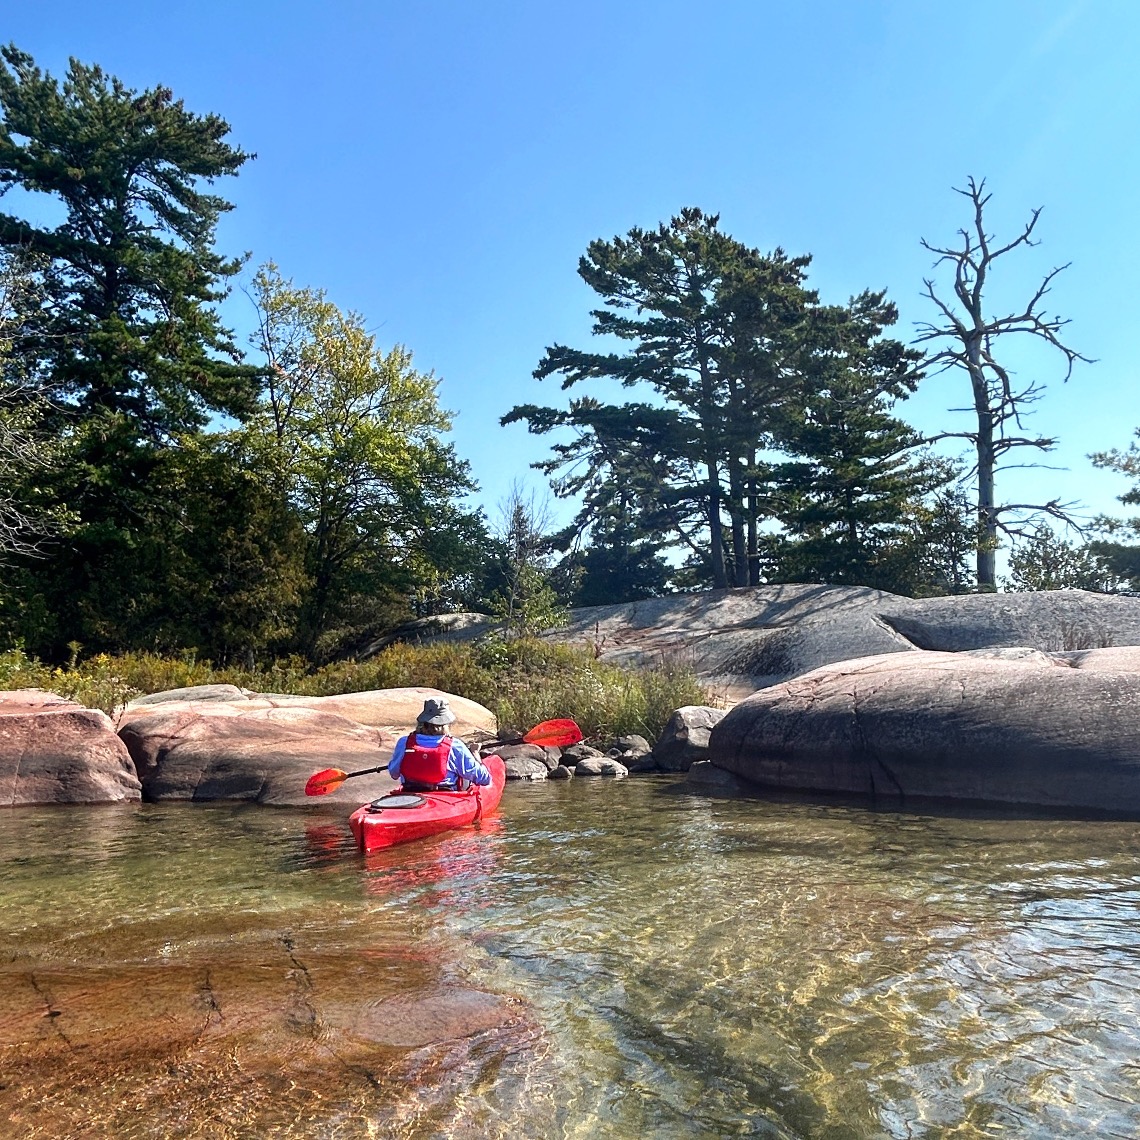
x,y
461,764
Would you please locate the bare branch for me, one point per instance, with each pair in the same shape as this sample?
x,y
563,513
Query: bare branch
x,y
969,339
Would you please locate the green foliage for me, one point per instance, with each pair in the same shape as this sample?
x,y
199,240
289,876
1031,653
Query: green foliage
x,y
1120,557
126,343
522,680
26,452
1046,562
518,582
845,498
128,328
747,363
944,539
705,316
618,565
349,436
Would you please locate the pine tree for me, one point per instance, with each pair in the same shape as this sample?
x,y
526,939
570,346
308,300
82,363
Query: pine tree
x,y
127,345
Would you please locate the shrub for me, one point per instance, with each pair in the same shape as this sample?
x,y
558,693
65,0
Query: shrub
x,y
522,681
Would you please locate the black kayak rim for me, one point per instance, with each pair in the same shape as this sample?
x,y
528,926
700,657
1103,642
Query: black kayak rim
x,y
396,800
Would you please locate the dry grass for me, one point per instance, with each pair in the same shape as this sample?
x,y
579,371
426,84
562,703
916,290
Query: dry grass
x,y
521,681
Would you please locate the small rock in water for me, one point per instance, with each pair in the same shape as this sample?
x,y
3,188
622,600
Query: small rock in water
x,y
576,752
524,768
644,764
631,744
600,766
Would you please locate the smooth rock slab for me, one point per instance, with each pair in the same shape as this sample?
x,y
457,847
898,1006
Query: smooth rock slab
x,y
54,751
1057,730
223,751
388,709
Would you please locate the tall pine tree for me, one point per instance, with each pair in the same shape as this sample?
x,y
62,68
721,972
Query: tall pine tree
x,y
128,343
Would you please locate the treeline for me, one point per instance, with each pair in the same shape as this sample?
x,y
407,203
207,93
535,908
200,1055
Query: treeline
x,y
163,487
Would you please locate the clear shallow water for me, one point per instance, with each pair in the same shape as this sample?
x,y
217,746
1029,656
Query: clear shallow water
x,y
608,960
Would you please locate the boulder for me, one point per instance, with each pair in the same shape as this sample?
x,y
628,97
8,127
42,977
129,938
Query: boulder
x,y
1046,730
561,773
223,751
600,766
522,751
631,745
388,709
576,752
526,768
642,765
685,739
55,751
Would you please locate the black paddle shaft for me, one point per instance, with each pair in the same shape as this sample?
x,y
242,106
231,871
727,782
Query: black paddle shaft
x,y
366,771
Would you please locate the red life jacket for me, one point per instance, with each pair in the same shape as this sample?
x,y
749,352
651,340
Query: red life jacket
x,y
425,764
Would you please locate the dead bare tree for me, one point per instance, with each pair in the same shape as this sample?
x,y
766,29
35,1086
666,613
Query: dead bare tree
x,y
968,339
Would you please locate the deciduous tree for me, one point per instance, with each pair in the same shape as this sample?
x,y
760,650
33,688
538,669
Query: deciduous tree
x,y
350,435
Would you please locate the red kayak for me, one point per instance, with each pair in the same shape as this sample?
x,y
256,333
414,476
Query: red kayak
x,y
402,817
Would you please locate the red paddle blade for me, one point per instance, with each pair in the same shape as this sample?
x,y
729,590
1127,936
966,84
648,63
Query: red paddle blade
x,y
558,733
321,783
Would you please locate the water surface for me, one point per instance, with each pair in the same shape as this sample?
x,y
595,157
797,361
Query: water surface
x,y
608,959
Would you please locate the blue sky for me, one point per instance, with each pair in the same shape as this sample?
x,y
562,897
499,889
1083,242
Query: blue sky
x,y
440,167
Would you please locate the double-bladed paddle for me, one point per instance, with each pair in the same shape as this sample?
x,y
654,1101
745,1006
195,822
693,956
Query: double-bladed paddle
x,y
550,733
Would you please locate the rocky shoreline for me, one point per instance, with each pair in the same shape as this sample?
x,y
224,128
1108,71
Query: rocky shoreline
x,y
217,742
1051,721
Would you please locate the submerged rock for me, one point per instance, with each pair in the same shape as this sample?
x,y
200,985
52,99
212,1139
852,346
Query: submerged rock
x,y
54,751
705,778
1059,730
423,1017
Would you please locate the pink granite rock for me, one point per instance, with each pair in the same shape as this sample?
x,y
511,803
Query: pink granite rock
x,y
1004,726
245,751
54,751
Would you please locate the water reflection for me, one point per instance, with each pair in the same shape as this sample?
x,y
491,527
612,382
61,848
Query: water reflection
x,y
604,960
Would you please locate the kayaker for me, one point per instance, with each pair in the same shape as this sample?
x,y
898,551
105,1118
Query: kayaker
x,y
428,760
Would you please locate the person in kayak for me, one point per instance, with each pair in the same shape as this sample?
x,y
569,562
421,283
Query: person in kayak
x,y
428,760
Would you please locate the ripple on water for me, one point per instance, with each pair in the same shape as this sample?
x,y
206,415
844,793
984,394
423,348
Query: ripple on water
x,y
609,961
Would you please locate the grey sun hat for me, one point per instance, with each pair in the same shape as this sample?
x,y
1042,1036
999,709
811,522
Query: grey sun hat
x,y
436,713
